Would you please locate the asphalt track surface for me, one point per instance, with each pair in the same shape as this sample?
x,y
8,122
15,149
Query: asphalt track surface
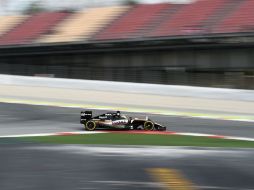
x,y
32,119
29,166
79,167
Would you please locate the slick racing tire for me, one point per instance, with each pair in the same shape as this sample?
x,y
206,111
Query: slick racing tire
x,y
148,126
90,126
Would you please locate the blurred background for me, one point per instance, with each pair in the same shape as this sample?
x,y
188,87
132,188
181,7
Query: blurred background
x,y
140,43
197,43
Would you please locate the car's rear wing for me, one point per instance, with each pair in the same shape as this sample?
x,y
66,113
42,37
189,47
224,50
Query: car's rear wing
x,y
85,116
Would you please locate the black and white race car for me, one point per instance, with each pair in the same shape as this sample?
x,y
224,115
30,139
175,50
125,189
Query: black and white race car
x,y
115,120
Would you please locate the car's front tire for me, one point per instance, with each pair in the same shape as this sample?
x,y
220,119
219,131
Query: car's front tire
x,y
148,126
90,125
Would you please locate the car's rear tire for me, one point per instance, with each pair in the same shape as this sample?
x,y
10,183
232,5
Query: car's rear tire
x,y
148,126
90,125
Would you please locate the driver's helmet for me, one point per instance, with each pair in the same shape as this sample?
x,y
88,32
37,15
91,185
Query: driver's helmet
x,y
118,113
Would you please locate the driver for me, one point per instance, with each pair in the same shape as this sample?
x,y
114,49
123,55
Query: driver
x,y
117,115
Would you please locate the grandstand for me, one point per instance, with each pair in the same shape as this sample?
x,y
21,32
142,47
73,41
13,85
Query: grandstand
x,y
190,19
141,21
204,43
32,28
83,25
240,20
136,22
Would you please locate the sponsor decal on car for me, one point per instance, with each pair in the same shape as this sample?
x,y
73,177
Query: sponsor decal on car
x,y
120,122
103,117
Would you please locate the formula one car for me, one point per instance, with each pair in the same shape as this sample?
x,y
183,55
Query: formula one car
x,y
115,120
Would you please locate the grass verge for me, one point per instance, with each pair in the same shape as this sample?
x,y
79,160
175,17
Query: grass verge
x,y
141,139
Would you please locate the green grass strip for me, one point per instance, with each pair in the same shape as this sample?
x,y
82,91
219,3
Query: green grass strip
x,y
140,139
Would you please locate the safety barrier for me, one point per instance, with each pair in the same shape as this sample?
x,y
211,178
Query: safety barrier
x,y
140,88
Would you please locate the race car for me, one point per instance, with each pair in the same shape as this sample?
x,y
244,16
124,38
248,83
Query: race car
x,y
116,120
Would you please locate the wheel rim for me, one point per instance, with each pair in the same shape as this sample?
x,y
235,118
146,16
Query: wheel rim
x,y
148,126
90,126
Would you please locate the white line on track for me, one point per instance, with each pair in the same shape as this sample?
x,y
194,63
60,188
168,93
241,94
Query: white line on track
x,y
140,151
129,132
52,134
216,136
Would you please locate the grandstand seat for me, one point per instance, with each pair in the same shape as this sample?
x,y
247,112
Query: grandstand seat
x,y
125,22
135,22
240,20
190,19
9,22
32,28
82,25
